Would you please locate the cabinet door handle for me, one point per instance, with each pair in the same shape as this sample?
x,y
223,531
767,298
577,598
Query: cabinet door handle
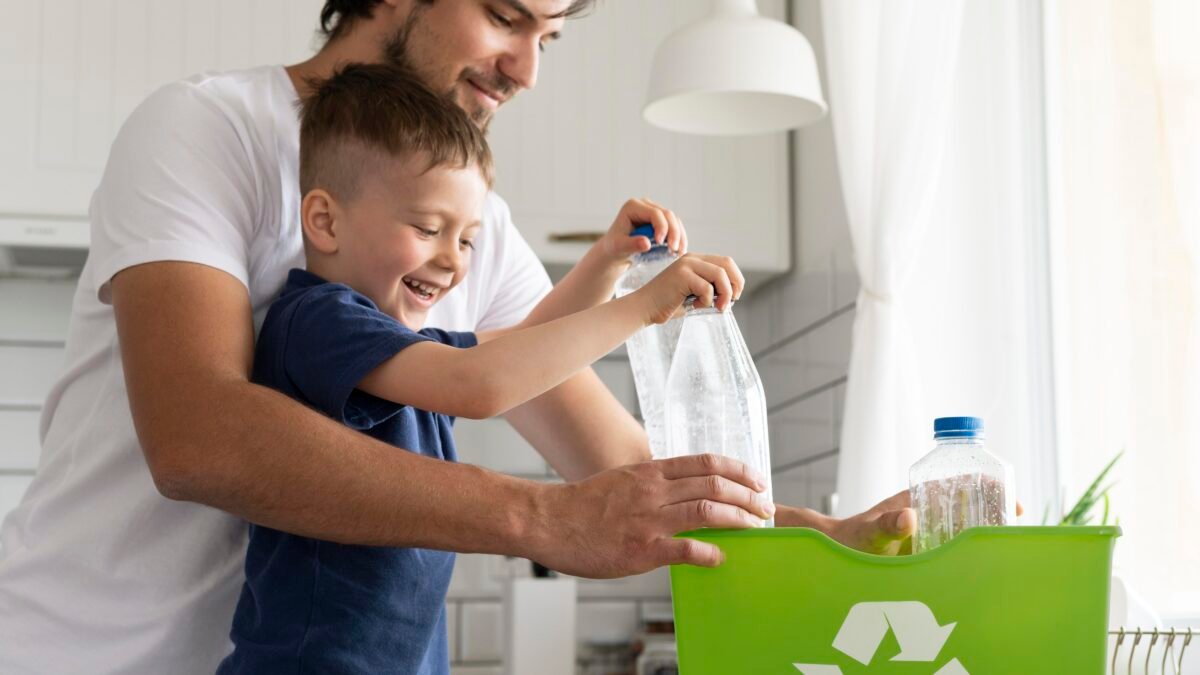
x,y
581,236
41,230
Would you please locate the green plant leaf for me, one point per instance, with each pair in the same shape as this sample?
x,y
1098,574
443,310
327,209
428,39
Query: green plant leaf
x,y
1079,513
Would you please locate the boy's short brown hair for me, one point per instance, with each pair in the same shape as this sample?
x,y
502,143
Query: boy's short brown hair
x,y
370,110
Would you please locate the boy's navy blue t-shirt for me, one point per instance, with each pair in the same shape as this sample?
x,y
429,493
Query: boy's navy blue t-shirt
x,y
312,606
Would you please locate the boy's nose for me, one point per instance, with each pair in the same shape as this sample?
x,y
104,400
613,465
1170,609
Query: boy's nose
x,y
450,257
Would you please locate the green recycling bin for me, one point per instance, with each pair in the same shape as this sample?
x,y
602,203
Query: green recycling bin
x,y
993,601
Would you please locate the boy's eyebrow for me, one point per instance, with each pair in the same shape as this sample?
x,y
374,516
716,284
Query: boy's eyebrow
x,y
426,211
444,215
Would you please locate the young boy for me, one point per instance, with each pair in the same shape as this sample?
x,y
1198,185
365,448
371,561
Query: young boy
x,y
394,179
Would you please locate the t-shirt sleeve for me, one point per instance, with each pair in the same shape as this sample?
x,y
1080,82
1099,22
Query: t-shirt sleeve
x,y
179,185
335,337
520,280
459,339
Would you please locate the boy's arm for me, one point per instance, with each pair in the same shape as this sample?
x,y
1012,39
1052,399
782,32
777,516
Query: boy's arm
x,y
211,436
493,377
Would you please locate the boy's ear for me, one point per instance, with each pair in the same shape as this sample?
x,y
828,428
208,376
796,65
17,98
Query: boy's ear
x,y
318,219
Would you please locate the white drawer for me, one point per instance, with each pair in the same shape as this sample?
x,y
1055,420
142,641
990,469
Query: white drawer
x,y
481,630
19,446
27,372
34,309
11,489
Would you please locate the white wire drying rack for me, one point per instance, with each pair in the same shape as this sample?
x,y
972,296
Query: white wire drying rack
x,y
1146,649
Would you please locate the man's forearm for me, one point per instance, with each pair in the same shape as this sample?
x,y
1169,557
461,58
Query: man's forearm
x,y
242,452
589,283
581,428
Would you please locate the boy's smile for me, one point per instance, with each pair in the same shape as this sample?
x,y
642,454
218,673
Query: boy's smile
x,y
423,291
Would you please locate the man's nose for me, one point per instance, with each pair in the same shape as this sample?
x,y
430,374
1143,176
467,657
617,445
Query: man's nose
x,y
520,62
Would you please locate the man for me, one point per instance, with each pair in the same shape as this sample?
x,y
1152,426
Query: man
x,y
194,225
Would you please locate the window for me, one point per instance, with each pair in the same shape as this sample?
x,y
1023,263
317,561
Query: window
x,y
1123,115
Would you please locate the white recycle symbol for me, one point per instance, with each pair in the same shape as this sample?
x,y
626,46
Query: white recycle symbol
x,y
917,631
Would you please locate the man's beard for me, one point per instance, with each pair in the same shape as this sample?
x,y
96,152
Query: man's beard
x,y
397,52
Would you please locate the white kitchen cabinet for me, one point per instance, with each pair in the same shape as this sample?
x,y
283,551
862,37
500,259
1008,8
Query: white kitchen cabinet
x,y
73,70
571,151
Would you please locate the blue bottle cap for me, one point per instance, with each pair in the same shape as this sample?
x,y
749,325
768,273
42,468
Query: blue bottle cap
x,y
958,427
644,230
647,230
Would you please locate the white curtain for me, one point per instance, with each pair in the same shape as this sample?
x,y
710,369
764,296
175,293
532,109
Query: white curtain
x,y
936,121
890,68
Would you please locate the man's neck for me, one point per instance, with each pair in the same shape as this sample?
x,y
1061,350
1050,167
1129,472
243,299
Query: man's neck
x,y
352,48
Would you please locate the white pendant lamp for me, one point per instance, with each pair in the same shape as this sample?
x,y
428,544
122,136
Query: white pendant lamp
x,y
733,73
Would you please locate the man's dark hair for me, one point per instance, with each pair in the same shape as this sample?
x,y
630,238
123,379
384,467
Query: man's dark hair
x,y
364,112
338,15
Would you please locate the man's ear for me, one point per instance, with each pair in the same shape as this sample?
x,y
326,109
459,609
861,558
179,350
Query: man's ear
x,y
319,213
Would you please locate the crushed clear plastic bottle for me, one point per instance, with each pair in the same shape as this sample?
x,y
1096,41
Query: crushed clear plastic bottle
x,y
652,348
959,484
715,401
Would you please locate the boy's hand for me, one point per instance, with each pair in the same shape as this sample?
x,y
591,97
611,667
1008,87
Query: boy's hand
x,y
616,245
714,280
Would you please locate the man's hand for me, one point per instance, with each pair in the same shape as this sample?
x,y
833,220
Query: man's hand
x,y
884,529
623,521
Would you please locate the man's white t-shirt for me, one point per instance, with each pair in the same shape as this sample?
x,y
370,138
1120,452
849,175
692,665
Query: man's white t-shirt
x,y
98,572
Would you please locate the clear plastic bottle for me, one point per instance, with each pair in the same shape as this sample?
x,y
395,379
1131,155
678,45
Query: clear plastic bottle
x,y
650,349
715,400
959,484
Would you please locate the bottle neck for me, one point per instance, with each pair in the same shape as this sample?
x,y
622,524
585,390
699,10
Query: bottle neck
x,y
656,252
704,311
958,440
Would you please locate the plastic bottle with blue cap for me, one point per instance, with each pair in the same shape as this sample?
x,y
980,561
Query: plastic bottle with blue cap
x,y
959,484
715,401
652,348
